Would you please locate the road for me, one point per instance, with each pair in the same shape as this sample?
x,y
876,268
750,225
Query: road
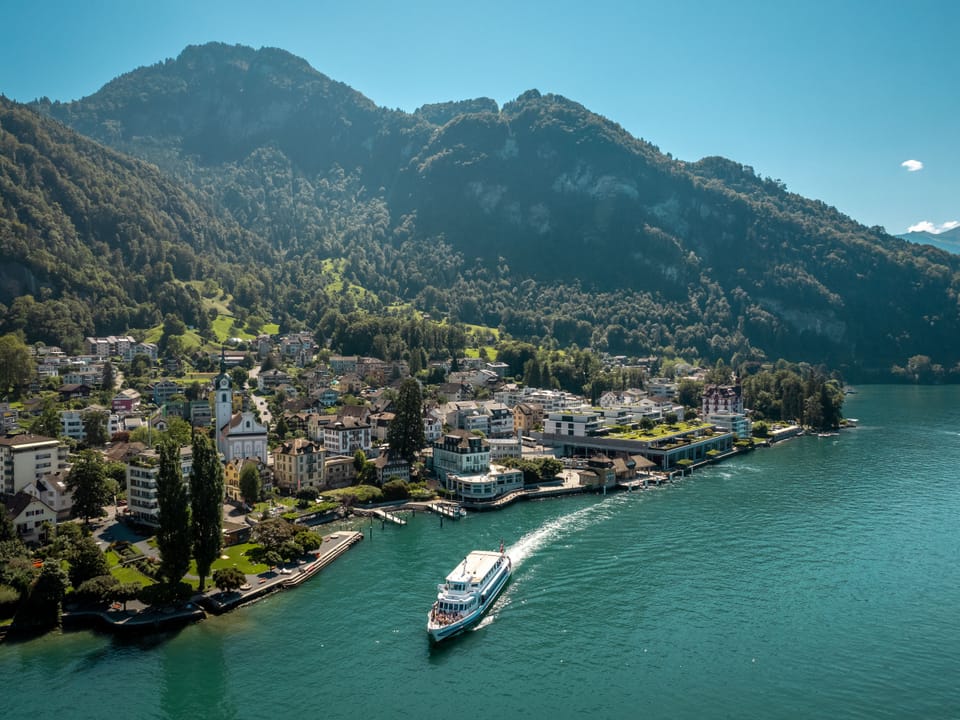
x,y
260,402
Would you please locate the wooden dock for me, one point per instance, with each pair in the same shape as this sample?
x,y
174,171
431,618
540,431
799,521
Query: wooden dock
x,y
447,510
387,516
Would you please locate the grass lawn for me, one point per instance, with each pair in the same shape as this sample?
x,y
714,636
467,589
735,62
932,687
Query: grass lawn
x,y
661,431
475,353
236,555
126,573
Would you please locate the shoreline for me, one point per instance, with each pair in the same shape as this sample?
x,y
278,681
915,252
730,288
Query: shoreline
x,y
150,619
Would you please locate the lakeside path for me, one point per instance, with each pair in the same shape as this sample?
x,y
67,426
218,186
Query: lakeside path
x,y
138,618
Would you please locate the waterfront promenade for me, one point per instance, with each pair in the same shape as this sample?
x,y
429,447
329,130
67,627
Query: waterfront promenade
x,y
135,617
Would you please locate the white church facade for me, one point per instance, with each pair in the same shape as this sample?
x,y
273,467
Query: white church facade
x,y
239,435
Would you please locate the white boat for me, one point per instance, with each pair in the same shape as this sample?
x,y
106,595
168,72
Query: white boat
x,y
468,593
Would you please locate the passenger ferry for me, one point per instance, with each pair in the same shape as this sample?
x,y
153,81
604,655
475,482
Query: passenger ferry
x,y
468,593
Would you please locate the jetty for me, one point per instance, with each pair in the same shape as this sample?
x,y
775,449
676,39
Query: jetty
x,y
452,511
383,515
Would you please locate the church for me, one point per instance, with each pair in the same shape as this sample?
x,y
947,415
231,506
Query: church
x,y
239,435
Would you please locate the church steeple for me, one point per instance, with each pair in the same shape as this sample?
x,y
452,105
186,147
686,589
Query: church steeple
x,y
222,400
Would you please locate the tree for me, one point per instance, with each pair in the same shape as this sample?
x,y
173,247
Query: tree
x,y
359,461
7,531
125,592
239,377
250,483
47,422
87,482
206,504
87,561
230,578
99,588
396,489
405,433
95,428
108,380
273,533
173,535
42,607
16,364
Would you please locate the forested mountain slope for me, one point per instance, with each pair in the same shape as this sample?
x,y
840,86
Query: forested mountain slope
x,y
540,217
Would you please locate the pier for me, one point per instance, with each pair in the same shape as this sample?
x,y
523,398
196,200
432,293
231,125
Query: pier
x,y
382,515
447,510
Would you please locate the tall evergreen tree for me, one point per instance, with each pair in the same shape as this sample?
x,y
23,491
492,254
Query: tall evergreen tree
x,y
173,536
109,379
206,502
405,434
88,483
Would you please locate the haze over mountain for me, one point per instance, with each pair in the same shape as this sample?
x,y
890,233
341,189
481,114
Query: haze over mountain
x,y
538,216
948,240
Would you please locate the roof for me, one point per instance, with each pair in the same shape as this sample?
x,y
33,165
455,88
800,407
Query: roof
x,y
474,567
26,439
21,501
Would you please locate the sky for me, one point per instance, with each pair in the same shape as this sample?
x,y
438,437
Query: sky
x,y
852,102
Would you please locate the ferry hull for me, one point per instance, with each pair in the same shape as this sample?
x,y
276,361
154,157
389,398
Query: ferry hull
x,y
439,633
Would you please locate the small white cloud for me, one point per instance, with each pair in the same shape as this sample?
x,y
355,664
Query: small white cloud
x,y
912,165
927,226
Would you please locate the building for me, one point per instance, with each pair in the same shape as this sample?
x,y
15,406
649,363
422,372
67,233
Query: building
x,y
737,423
25,459
391,467
110,345
231,476
71,425
343,364
461,453
148,350
722,399
239,435
126,401
662,386
346,435
272,379
487,486
9,418
142,471
52,490
380,425
573,423
29,513
200,414
243,437
527,417
501,448
299,464
165,389
339,471
432,425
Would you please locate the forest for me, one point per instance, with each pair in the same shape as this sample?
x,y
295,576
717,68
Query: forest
x,y
318,210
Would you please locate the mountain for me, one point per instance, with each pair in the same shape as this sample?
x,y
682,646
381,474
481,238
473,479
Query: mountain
x,y
948,240
94,240
540,217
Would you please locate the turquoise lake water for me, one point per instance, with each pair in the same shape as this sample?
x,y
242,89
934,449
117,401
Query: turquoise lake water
x,y
818,578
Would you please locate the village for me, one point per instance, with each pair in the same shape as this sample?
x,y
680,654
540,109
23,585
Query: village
x,y
312,429
629,433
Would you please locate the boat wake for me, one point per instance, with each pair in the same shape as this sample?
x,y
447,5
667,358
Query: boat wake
x,y
557,528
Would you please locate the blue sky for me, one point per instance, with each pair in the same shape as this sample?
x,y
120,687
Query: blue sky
x,y
830,97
